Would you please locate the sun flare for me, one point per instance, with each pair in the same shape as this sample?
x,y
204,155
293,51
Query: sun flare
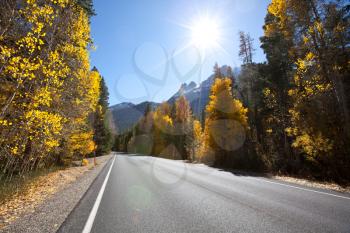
x,y
205,33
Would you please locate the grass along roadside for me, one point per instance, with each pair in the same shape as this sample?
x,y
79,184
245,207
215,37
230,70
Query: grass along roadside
x,y
21,195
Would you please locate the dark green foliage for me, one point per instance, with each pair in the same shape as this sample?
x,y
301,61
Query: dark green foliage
x,y
102,134
87,5
121,141
277,74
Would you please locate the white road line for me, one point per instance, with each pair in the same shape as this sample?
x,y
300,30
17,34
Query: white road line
x,y
305,189
91,219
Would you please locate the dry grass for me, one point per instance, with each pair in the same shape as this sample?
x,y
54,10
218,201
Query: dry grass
x,y
314,184
22,195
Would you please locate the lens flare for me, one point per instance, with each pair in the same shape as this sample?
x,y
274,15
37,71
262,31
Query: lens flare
x,y
205,33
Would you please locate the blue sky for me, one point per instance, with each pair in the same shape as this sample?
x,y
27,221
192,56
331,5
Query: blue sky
x,y
142,46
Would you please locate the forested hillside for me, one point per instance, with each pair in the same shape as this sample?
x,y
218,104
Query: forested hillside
x,y
289,114
51,102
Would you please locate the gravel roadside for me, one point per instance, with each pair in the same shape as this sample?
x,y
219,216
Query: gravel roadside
x,y
314,184
51,213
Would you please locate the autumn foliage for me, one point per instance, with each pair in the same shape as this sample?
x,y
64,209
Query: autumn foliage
x,y
172,131
302,118
226,122
289,114
47,91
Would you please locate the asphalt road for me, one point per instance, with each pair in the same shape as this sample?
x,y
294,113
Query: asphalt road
x,y
146,194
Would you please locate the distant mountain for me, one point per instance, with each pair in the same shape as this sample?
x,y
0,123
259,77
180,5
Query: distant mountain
x,y
126,115
198,96
120,106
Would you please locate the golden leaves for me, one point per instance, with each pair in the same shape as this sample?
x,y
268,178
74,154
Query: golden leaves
x,y
226,118
310,56
162,119
93,89
61,3
79,32
5,52
221,100
81,142
278,8
167,119
42,97
269,29
312,145
5,123
197,130
51,67
183,110
43,72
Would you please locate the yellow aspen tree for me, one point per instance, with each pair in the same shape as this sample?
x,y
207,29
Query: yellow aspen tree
x,y
226,121
32,73
197,143
47,91
163,128
320,120
183,130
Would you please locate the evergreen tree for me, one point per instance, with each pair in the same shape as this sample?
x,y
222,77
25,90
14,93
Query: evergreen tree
x,y
102,133
246,49
217,71
275,101
87,5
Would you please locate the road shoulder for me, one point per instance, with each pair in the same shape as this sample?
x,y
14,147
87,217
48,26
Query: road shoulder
x,y
54,208
313,184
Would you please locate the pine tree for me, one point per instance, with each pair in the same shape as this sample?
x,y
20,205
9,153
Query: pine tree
x,y
87,5
246,49
102,133
276,81
217,71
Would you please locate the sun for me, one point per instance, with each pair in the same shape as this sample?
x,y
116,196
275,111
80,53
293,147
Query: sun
x,y
205,33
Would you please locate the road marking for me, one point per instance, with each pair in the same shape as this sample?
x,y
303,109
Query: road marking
x,y
305,189
91,219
